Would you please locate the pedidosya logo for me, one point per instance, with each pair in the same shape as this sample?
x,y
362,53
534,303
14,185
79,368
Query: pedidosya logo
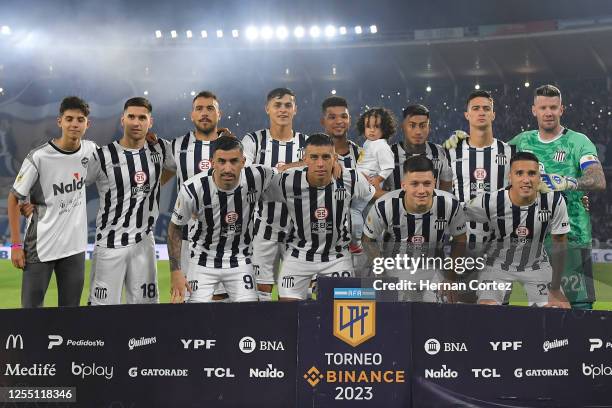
x,y
354,315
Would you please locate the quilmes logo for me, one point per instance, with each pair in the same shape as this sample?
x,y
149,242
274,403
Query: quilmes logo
x,y
14,341
557,343
143,341
354,315
76,184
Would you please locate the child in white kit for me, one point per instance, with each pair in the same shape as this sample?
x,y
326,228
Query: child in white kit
x,y
376,160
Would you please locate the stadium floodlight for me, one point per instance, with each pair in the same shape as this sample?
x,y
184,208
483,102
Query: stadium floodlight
x,y
219,33
373,29
477,86
342,30
6,30
173,34
282,32
235,33
299,32
333,91
158,34
428,89
146,93
287,72
204,34
189,33
527,84
266,32
192,93
358,30
330,31
2,90
252,33
315,31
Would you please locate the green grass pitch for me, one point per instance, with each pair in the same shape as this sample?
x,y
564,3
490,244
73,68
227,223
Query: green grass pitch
x,y
10,286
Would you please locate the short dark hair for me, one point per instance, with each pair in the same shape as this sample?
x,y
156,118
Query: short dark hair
x,y
418,163
334,101
138,101
524,156
279,93
318,139
205,94
388,123
547,90
415,110
227,143
479,94
74,102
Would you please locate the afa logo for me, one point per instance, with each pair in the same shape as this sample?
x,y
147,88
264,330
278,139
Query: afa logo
x,y
354,315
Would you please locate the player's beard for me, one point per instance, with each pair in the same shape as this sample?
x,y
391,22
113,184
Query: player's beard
x,y
207,129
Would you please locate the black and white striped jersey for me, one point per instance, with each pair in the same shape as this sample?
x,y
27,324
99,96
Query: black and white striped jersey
x,y
128,182
223,235
321,215
476,171
433,152
260,148
519,231
349,160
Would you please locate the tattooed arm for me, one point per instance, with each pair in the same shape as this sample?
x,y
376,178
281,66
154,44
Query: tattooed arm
x,y
593,179
178,282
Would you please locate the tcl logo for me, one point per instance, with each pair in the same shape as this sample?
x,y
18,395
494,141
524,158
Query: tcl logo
x,y
210,372
485,373
506,345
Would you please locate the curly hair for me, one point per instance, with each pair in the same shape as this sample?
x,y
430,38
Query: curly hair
x,y
388,123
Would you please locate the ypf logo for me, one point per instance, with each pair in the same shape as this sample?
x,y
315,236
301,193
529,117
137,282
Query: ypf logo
x,y
480,174
231,217
140,177
522,231
204,165
321,213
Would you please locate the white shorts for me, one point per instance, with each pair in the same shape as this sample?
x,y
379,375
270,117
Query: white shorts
x,y
186,261
239,283
535,283
295,276
133,268
267,256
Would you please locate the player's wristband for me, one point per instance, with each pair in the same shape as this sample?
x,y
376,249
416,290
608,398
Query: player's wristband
x,y
17,245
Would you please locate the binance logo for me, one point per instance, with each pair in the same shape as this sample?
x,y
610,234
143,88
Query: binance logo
x,y
313,376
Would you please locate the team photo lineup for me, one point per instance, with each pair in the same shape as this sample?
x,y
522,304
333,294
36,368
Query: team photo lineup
x,y
263,215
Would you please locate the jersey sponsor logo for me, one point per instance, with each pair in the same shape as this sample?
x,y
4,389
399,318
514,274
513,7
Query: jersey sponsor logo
x,y
417,239
140,177
231,217
156,157
522,231
340,194
321,213
76,184
204,165
84,161
480,174
440,224
544,215
501,159
559,156
231,225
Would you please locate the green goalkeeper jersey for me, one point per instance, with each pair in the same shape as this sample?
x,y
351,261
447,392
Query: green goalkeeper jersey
x,y
567,155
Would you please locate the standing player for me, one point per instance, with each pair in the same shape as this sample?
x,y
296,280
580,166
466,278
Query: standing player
x,y
420,218
319,207
569,163
223,203
52,176
522,218
274,147
336,122
127,174
416,127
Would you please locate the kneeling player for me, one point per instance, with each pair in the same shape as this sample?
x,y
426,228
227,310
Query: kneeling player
x,y
319,207
222,204
522,217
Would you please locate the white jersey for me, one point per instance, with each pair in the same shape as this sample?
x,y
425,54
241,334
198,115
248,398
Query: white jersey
x,y
476,171
321,229
376,159
224,229
519,232
260,148
128,182
433,152
54,181
349,160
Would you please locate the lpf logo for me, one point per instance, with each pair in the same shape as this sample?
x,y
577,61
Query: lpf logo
x,y
480,174
204,165
321,213
522,231
354,315
231,217
140,177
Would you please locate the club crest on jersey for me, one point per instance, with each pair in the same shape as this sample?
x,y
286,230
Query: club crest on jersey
x,y
340,194
251,196
544,215
84,161
559,156
156,157
204,165
140,177
436,162
480,174
440,224
501,160
321,213
522,231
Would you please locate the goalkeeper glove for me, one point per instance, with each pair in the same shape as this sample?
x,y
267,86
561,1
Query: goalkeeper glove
x,y
456,137
555,182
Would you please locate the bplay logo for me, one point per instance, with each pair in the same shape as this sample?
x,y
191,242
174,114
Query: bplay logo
x,y
93,370
593,371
